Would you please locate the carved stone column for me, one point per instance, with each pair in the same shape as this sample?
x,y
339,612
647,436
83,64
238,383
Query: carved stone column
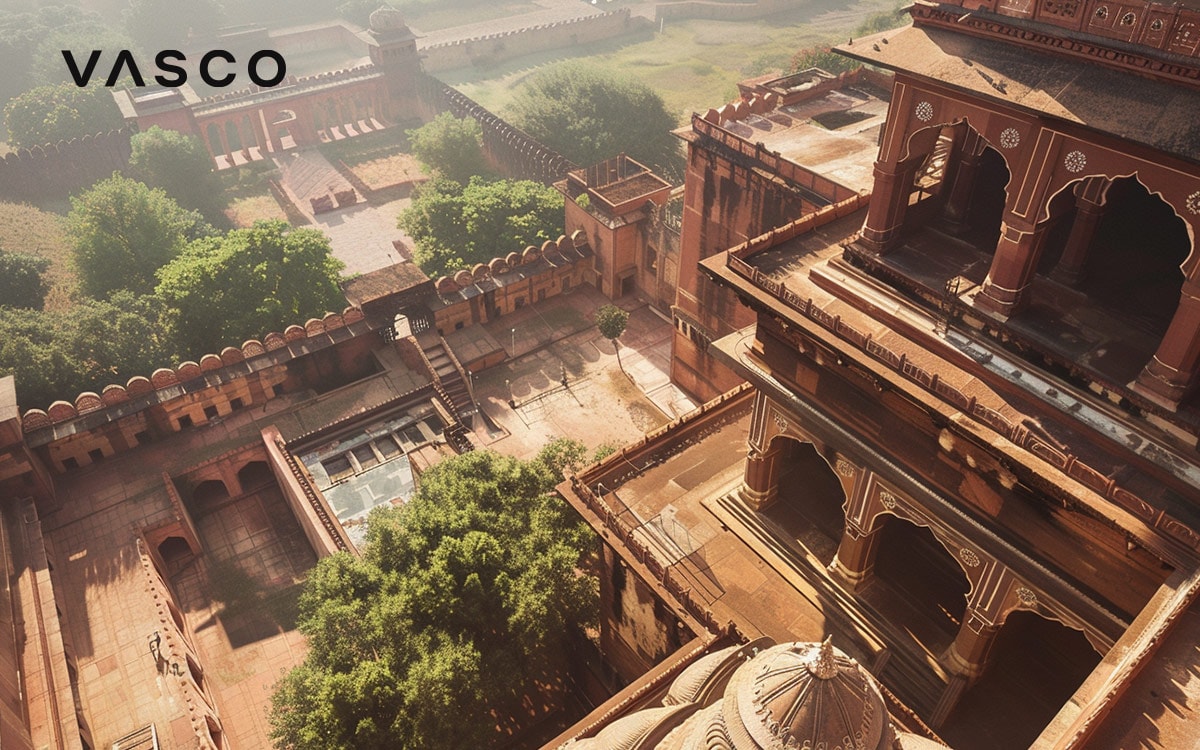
x,y
1171,374
854,563
761,484
1013,267
968,655
1089,209
889,201
958,202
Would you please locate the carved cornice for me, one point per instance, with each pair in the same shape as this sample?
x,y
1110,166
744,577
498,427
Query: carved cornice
x,y
997,27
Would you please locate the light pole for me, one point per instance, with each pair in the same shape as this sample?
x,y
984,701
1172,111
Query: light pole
x,y
514,342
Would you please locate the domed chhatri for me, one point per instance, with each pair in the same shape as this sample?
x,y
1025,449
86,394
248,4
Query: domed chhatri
x,y
387,19
802,693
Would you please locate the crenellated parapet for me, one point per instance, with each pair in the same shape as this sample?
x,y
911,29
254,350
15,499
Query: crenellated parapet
x,y
97,425
513,150
55,170
489,49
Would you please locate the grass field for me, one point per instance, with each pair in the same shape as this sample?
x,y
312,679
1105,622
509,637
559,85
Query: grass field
x,y
693,64
32,231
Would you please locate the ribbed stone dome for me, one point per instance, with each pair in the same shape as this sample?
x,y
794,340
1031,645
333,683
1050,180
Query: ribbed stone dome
x,y
806,695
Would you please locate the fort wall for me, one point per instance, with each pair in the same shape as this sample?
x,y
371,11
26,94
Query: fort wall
x,y
495,48
57,170
718,11
510,149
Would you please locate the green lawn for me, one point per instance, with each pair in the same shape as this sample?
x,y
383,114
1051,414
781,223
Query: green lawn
x,y
693,64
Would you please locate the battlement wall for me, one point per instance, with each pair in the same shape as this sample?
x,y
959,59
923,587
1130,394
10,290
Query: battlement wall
x,y
57,170
510,149
495,48
732,11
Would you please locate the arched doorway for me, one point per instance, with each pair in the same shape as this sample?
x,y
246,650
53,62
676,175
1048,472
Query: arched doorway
x,y
989,195
175,552
1133,264
254,475
208,495
810,503
918,586
1035,666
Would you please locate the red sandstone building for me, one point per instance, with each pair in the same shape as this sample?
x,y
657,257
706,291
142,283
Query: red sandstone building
x,y
967,446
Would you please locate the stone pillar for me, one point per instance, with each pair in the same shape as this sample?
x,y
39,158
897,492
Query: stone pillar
x,y
889,201
1013,267
854,563
1089,209
1170,376
225,142
968,655
760,487
958,202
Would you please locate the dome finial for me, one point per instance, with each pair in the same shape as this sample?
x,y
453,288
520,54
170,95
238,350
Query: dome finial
x,y
823,664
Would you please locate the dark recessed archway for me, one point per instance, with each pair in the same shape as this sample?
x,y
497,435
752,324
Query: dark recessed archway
x,y
810,499
1133,264
208,494
254,475
1035,666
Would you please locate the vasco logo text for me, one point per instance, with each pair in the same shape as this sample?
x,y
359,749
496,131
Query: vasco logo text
x,y
172,74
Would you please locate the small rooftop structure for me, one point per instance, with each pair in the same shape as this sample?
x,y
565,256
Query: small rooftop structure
x,y
618,186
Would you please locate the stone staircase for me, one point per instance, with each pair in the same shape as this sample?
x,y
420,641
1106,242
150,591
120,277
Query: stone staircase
x,y
914,675
449,372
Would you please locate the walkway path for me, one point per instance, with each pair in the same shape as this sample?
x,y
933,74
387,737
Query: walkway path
x,y
362,235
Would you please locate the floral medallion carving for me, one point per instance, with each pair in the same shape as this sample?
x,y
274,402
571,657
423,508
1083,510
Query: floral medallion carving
x,y
845,468
924,111
968,557
780,422
888,499
1075,161
1026,596
1010,138
1193,202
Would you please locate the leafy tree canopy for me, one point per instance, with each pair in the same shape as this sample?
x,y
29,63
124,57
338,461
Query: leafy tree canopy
x,y
47,114
22,33
463,597
122,231
825,59
450,146
170,24
179,165
456,227
48,67
589,116
611,320
57,355
227,289
22,280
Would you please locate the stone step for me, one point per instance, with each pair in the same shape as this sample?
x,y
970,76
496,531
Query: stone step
x,y
914,676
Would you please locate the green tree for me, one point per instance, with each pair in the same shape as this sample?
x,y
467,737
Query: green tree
x,y
22,280
251,281
455,227
48,67
463,598
47,114
172,24
589,116
611,320
179,165
22,33
56,355
450,146
825,59
122,231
